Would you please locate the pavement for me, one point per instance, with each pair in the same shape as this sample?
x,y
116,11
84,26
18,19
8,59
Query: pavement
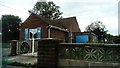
x,y
27,58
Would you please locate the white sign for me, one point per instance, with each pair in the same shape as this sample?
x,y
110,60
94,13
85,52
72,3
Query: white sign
x,y
33,31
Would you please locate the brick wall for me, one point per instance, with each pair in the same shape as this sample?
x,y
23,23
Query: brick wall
x,y
47,53
58,34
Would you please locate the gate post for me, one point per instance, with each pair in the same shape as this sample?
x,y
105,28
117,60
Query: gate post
x,y
14,44
48,53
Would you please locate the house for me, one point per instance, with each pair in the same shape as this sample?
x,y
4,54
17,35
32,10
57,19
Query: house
x,y
36,27
40,27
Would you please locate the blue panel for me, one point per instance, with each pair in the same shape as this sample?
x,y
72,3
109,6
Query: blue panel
x,y
39,32
26,34
82,38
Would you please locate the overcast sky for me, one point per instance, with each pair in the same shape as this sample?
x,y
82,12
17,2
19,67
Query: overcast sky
x,y
86,11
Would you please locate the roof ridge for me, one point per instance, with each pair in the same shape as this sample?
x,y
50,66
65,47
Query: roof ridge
x,y
66,18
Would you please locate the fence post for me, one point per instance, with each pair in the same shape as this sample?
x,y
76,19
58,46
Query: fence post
x,y
14,44
48,53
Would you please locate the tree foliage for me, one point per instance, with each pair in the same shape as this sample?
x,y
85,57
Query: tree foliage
x,y
10,27
97,28
116,39
0,30
47,9
109,39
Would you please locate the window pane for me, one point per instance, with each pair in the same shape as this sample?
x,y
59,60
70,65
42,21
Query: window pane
x,y
26,37
39,32
36,32
35,35
30,35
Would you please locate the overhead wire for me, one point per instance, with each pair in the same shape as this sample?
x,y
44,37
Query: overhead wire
x,y
1,4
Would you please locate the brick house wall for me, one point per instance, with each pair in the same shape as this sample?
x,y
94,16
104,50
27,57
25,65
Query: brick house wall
x,y
59,34
34,21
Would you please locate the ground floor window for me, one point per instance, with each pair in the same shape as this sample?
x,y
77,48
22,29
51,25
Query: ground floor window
x,y
30,33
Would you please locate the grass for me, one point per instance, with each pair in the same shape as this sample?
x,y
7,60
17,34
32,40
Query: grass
x,y
17,64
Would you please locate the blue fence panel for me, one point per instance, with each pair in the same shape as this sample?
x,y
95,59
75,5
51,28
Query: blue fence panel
x,y
26,34
82,38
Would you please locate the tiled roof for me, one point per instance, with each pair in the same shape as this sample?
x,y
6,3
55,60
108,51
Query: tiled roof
x,y
68,23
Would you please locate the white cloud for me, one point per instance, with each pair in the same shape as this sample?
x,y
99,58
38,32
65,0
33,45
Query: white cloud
x,y
17,7
86,11
111,24
95,1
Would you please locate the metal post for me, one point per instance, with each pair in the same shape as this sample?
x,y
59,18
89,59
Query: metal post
x,y
48,32
32,44
71,36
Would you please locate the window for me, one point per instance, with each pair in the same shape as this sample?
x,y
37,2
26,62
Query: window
x,y
94,38
26,34
30,33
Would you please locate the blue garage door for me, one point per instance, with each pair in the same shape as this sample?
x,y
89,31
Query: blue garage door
x,y
82,38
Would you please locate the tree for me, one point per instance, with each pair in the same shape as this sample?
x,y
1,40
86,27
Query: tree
x,y
97,28
10,27
0,30
109,38
116,39
47,9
